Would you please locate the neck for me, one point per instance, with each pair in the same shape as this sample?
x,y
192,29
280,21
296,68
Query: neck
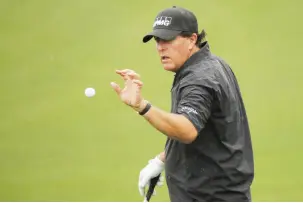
x,y
193,51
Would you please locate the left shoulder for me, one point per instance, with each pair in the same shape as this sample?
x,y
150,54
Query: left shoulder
x,y
205,73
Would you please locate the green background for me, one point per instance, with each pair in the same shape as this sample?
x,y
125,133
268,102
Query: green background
x,y
58,145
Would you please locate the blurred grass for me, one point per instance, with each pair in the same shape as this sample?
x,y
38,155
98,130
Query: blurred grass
x,y
58,145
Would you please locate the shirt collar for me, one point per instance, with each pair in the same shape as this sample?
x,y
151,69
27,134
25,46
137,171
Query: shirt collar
x,y
204,52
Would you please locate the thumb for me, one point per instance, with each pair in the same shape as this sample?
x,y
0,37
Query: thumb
x,y
116,87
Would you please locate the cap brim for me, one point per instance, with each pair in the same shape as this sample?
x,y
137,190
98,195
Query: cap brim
x,y
162,34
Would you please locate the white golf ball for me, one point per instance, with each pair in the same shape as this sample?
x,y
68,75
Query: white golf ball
x,y
90,92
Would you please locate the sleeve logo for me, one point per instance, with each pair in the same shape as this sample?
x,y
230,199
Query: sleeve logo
x,y
188,110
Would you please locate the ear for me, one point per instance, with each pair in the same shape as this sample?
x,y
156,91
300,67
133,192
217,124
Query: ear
x,y
193,38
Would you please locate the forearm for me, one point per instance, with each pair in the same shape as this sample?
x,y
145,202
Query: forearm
x,y
173,125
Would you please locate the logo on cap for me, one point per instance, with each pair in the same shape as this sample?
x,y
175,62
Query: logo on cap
x,y
162,20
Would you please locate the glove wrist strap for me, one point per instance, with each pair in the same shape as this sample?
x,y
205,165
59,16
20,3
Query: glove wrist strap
x,y
158,161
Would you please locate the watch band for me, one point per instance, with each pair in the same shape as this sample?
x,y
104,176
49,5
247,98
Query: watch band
x,y
146,109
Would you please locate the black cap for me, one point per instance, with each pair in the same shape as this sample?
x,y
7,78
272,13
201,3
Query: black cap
x,y
170,22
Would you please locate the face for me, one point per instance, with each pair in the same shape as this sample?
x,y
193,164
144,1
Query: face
x,y
174,53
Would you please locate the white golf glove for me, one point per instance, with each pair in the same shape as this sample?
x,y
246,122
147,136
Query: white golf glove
x,y
154,168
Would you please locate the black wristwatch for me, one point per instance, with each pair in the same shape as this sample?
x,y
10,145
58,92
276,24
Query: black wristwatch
x,y
145,110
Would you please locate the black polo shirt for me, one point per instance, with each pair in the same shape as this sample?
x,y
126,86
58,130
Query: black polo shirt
x,y
218,165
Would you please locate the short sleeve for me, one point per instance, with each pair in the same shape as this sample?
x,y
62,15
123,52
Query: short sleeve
x,y
195,103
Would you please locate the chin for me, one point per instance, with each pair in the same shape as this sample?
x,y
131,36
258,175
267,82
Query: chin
x,y
169,67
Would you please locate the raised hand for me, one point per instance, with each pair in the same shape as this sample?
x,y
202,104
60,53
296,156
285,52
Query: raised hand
x,y
131,93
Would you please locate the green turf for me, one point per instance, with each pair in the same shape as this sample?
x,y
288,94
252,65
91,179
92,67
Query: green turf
x,y
58,145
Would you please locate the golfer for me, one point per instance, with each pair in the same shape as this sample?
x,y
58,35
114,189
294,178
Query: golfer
x,y
208,155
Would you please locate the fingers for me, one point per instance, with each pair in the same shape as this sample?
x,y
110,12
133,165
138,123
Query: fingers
x,y
142,191
141,186
127,72
160,181
144,182
134,75
116,87
129,83
138,82
130,76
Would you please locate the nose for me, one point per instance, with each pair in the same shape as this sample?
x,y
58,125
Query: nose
x,y
160,45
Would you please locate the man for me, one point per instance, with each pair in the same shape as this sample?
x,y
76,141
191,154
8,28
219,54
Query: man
x,y
208,154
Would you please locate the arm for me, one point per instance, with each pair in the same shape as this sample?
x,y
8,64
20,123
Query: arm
x,y
175,126
192,113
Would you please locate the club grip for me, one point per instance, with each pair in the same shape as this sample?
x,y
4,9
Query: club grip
x,y
152,185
